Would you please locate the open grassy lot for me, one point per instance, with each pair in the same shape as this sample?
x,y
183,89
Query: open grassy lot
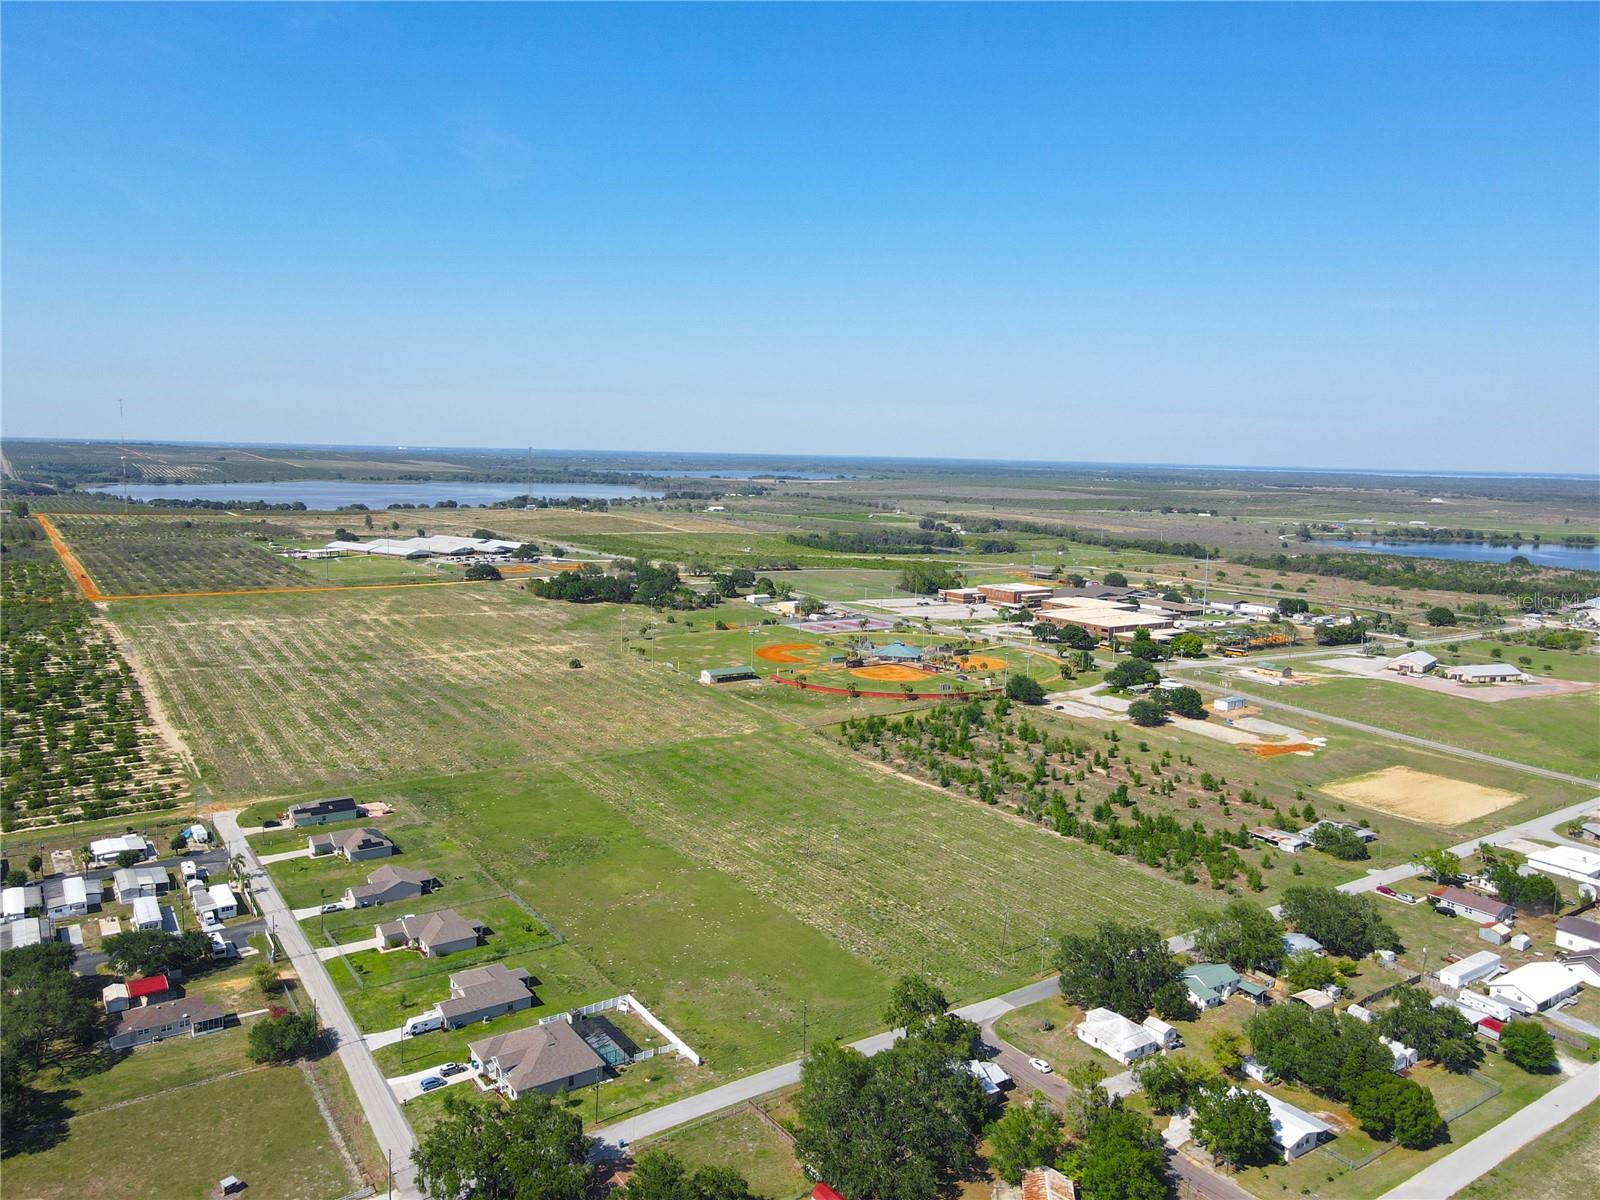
x,y
1058,1045
263,1126
1561,1164
1320,1173
1558,732
743,1140
285,693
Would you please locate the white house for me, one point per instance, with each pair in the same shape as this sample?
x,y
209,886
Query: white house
x,y
105,850
1577,934
1294,1131
1568,862
18,901
1165,1034
990,1076
1417,662
1471,969
147,913
218,899
1113,1034
69,897
1536,986
1486,673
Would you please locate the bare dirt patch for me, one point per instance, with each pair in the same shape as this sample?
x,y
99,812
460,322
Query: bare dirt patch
x,y
890,674
1421,796
787,652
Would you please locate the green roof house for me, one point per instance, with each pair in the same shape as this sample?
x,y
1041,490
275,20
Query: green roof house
x,y
1210,984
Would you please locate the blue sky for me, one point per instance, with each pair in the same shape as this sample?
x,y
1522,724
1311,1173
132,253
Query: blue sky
x,y
1353,235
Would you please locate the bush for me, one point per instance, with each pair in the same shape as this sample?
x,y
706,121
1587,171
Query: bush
x,y
283,1037
1529,1046
1388,1106
1440,615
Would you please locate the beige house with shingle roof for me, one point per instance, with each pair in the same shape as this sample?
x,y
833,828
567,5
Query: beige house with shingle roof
x,y
542,1058
435,934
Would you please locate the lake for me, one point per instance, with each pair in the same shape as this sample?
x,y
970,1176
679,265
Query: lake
x,y
1550,554
328,494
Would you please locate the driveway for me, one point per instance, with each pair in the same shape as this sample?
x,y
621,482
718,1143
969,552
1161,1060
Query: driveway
x,y
409,1087
264,859
327,952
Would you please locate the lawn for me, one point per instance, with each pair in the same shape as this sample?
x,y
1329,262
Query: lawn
x,y
743,1140
263,1126
1557,732
1059,1046
1558,1166
286,693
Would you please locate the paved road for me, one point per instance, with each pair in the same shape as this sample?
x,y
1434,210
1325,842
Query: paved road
x,y
1575,1024
1456,1170
384,1117
1408,739
691,1108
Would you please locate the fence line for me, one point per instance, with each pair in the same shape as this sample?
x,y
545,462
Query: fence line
x,y
629,1003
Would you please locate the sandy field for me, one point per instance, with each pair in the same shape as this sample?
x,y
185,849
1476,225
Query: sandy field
x,y
1423,797
888,673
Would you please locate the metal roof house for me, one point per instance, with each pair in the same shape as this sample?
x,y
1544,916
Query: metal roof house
x,y
106,850
1416,662
1210,984
712,675
1486,673
1578,934
1299,943
1113,1034
1471,969
1536,986
1567,862
147,913
1294,1131
21,900
29,931
129,883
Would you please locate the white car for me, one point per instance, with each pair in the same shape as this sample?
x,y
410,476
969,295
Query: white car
x,y
1039,1065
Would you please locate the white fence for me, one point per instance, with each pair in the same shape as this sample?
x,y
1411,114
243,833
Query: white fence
x,y
629,1003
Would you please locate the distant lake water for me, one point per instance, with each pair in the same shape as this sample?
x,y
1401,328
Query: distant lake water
x,y
327,494
1580,558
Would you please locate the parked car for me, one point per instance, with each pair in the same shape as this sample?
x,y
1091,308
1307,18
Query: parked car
x,y
431,1083
328,908
269,824
452,1069
1039,1065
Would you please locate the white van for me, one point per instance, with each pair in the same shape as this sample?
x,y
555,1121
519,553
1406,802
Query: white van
x,y
424,1023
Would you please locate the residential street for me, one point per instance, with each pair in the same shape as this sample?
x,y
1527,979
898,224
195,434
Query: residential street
x,y
383,1113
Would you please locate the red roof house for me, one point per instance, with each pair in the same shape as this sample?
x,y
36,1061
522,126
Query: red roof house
x,y
823,1192
151,987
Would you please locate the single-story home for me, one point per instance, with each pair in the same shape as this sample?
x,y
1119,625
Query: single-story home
x,y
129,883
107,850
191,1017
355,844
1482,909
320,812
1366,835
1577,934
70,896
147,913
484,992
1113,1034
29,931
1281,839
1210,984
1299,943
435,934
540,1058
1586,965
21,900
1294,1131
1535,987
217,899
1417,662
991,1077
1486,673
1567,862
388,884
1471,969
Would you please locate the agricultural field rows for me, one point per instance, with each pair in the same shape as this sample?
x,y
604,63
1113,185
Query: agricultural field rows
x,y
79,742
284,693
139,555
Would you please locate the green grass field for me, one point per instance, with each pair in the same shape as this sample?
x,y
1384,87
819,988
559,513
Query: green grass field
x,y
263,1126
740,1139
1557,1166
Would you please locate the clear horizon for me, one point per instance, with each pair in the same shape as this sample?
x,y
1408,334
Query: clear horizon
x,y
1193,235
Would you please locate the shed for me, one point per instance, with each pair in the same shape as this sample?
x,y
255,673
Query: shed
x,y
1231,704
726,674
1471,969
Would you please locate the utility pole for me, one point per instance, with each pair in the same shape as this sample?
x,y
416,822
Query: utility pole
x,y
804,1023
122,446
